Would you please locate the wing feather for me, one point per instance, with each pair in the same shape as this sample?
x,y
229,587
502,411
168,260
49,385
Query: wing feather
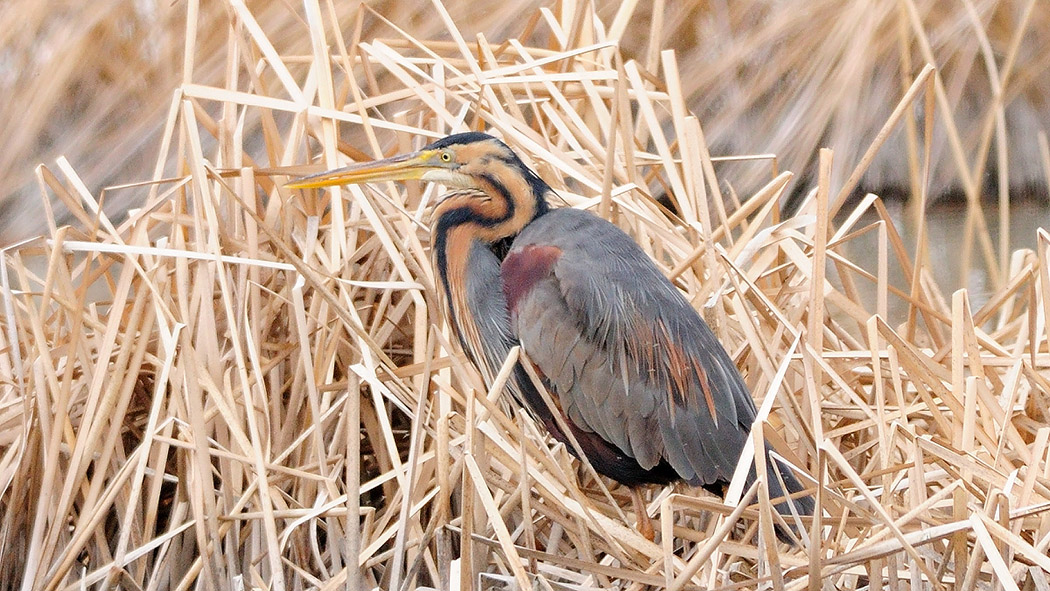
x,y
627,355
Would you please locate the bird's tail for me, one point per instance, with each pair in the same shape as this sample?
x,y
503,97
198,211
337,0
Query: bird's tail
x,y
782,482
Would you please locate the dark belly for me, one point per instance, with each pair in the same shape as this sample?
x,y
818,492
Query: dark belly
x,y
607,459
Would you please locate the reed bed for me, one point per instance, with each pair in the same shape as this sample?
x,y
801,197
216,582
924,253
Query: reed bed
x,y
241,386
91,81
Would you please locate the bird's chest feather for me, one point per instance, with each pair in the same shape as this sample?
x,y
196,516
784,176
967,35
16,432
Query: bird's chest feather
x,y
523,268
477,308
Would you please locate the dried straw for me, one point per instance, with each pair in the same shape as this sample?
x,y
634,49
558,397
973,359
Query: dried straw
x,y
201,393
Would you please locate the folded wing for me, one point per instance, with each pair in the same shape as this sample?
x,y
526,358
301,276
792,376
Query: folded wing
x,y
625,354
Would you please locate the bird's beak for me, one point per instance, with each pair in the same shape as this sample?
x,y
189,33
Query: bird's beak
x,y
402,167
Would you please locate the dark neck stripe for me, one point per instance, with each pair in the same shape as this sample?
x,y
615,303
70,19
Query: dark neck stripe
x,y
498,187
440,247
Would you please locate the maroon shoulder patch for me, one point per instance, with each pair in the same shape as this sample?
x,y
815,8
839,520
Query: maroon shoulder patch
x,y
523,268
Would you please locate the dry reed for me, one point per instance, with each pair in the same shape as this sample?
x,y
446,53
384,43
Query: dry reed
x,y
200,394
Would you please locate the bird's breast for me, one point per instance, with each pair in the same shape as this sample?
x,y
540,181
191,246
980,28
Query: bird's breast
x,y
477,309
523,268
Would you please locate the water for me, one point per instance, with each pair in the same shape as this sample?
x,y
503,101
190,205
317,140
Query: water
x,y
952,261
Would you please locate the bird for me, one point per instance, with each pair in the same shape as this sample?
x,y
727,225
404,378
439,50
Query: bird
x,y
638,378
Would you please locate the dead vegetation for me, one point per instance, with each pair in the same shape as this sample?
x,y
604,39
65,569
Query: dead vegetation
x,y
200,392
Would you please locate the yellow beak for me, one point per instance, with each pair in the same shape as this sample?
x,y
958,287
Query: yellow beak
x,y
402,167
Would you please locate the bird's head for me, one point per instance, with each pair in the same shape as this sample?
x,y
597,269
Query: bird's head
x,y
491,187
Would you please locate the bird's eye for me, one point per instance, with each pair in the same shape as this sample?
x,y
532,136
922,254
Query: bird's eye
x,y
446,157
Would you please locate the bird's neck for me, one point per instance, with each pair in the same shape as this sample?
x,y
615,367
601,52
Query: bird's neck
x,y
492,215
469,271
457,229
470,217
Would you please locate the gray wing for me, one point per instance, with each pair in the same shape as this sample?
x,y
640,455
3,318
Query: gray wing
x,y
627,356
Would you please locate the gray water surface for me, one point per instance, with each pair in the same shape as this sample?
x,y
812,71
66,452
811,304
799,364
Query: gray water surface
x,y
947,248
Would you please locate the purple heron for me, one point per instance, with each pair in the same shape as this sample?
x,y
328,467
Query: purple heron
x,y
638,378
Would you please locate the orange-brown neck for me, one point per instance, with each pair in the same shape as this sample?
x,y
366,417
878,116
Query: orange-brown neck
x,y
499,197
503,198
472,217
